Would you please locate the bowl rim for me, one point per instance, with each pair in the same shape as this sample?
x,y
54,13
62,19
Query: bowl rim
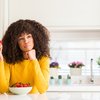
x,y
21,87
11,89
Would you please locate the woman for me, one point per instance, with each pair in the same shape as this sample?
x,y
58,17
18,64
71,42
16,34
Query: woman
x,y
24,56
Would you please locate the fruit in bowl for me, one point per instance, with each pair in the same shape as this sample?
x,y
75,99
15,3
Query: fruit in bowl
x,y
20,88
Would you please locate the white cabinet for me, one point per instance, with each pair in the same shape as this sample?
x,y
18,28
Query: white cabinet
x,y
56,12
51,13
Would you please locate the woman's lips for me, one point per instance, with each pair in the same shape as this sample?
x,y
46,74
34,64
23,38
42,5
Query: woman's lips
x,y
26,46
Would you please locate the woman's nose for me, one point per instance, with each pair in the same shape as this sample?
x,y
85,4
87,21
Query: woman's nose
x,y
25,40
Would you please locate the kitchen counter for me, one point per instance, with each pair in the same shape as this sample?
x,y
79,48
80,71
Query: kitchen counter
x,y
74,88
24,97
54,96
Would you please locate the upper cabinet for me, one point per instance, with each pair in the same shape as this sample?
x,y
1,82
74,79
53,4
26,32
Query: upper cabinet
x,y
52,13
57,12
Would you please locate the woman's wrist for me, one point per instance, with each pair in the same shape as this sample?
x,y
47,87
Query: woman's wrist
x,y
1,57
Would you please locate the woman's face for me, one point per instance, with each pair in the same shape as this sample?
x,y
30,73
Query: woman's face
x,y
26,42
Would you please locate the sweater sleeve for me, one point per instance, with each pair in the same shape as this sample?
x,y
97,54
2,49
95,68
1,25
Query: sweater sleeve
x,y
41,74
4,77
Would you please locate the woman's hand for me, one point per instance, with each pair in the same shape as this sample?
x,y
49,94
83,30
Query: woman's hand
x,y
1,56
30,55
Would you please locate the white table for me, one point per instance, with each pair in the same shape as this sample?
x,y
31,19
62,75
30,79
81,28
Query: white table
x,y
54,96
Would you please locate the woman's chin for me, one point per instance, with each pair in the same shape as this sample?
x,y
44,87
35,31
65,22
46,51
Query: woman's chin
x,y
27,50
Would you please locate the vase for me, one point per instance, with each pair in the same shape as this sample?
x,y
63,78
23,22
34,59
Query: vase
x,y
76,71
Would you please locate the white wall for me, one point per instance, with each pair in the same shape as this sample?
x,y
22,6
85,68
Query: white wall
x,y
4,12
1,18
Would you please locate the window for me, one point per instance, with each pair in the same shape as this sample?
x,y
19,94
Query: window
x,y
79,49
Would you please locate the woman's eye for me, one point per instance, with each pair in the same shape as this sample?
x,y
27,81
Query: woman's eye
x,y
20,39
29,36
24,38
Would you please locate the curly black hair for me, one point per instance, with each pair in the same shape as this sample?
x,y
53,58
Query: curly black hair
x,y
11,51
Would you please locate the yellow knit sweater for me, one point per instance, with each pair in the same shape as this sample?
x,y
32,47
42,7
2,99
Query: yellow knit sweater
x,y
28,71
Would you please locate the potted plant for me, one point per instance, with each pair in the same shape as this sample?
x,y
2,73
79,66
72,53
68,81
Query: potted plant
x,y
52,80
98,61
76,67
68,79
54,65
54,69
60,80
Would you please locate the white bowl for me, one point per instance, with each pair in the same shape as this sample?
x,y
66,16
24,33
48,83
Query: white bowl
x,y
20,90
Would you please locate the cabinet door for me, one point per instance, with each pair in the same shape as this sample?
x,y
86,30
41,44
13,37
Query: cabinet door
x,y
57,12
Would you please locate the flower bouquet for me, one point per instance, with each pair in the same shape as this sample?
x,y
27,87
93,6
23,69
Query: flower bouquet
x,y
54,69
75,68
54,65
76,64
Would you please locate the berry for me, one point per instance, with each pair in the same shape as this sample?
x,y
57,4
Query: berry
x,y
19,84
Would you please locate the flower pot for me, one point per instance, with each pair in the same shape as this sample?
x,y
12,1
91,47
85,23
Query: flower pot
x,y
75,71
52,81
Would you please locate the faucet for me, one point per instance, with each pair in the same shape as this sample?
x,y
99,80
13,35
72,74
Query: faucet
x,y
91,67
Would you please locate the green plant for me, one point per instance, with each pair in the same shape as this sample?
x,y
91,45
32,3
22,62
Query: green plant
x,y
98,61
51,77
68,77
59,76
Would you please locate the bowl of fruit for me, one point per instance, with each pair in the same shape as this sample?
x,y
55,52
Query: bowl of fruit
x,y
20,88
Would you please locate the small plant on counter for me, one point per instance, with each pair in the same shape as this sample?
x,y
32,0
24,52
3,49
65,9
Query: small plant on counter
x,y
54,65
68,79
59,76
51,77
68,76
76,64
98,61
60,80
52,80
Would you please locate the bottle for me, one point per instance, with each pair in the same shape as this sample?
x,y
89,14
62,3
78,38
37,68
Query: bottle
x,y
60,81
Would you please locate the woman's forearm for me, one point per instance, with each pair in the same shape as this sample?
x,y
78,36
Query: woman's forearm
x,y
41,75
3,79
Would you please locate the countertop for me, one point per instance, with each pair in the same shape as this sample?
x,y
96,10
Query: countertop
x,y
74,88
54,96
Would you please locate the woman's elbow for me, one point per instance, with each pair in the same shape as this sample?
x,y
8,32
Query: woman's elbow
x,y
44,89
3,90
